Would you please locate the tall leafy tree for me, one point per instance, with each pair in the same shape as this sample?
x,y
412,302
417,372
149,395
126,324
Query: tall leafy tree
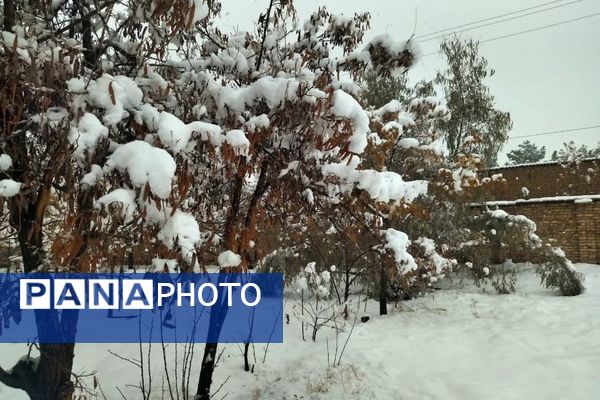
x,y
526,153
475,122
380,90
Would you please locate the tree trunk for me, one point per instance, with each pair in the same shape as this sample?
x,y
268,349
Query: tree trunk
x,y
208,367
217,317
9,15
382,289
49,376
347,285
46,378
89,54
219,310
246,361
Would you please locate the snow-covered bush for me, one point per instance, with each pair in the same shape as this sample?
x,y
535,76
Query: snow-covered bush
x,y
317,308
315,284
498,236
446,214
557,272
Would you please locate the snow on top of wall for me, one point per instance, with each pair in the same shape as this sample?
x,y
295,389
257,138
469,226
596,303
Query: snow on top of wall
x,y
536,164
585,198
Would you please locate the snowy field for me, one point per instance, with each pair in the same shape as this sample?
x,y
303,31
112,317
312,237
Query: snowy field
x,y
456,344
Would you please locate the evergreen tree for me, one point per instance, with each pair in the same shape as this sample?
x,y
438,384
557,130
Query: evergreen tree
x,y
571,153
526,153
595,152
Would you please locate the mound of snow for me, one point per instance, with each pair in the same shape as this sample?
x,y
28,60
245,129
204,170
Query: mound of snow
x,y
145,164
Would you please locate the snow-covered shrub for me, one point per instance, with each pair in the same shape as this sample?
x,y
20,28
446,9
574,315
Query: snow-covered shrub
x,y
280,261
503,280
430,268
315,284
498,236
317,308
557,272
156,131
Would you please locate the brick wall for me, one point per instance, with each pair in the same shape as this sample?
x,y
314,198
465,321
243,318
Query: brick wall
x,y
572,225
575,227
548,179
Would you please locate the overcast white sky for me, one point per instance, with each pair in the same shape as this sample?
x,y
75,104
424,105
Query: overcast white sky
x,y
548,80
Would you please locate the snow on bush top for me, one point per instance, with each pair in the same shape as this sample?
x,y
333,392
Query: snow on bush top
x,y
5,162
124,197
176,135
382,186
114,94
86,136
9,188
346,106
144,164
237,139
229,259
181,229
398,242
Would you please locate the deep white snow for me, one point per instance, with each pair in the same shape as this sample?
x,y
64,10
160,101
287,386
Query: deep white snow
x,y
465,344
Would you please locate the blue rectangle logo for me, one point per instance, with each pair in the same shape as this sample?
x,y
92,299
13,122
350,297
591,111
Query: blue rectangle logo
x,y
147,308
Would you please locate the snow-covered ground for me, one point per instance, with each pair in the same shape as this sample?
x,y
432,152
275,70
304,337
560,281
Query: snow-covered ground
x,y
456,344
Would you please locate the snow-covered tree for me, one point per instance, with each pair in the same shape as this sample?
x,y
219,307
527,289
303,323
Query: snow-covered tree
x,y
163,142
526,153
167,141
